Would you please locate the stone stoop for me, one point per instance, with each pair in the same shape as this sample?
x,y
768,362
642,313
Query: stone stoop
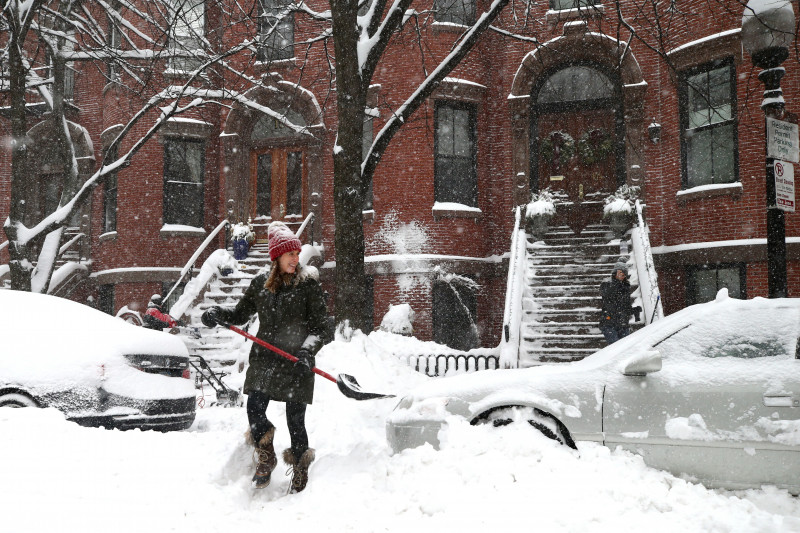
x,y
221,347
561,303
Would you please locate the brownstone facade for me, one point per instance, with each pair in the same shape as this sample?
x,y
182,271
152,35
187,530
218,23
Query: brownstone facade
x,y
499,81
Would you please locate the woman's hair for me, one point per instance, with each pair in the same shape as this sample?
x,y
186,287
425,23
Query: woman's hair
x,y
277,278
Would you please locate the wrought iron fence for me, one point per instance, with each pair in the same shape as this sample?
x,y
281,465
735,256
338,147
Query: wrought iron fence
x,y
440,364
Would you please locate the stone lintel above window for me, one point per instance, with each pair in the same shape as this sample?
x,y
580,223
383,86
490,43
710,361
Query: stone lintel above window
x,y
577,13
189,128
459,90
707,49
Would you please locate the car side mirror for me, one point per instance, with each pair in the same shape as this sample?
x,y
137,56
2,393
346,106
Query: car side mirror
x,y
642,363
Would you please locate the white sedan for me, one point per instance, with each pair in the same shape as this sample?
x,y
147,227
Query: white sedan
x,y
98,370
711,392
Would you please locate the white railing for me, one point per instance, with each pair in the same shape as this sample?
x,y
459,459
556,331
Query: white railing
x,y
305,223
190,264
512,314
646,270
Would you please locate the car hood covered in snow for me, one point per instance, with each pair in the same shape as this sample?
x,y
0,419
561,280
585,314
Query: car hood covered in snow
x,y
54,342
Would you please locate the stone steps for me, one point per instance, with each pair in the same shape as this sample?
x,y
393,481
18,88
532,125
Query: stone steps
x,y
562,301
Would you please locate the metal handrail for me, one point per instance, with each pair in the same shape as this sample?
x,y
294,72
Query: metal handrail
x,y
646,270
512,314
67,245
305,223
190,264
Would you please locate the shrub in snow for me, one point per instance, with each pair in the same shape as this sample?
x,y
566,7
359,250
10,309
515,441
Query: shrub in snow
x,y
538,213
398,319
243,231
622,201
542,203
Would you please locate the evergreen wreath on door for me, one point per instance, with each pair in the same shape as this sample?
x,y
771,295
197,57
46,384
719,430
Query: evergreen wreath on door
x,y
595,146
558,147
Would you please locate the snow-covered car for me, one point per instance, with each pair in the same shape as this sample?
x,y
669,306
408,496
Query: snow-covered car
x,y
711,392
97,369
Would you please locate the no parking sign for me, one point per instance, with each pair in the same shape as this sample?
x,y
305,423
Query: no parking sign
x,y
784,186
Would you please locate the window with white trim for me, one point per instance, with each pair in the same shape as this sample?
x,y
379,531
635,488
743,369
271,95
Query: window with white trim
x,y
454,11
455,173
187,35
704,281
708,124
184,177
275,30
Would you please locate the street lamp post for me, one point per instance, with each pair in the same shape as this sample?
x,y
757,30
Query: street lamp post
x,y
767,31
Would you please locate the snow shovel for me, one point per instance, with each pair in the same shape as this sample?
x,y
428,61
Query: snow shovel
x,y
347,384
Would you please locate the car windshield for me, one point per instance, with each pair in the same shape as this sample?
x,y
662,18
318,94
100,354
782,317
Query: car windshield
x,y
737,332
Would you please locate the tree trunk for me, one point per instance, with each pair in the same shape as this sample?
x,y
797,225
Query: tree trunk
x,y
348,197
20,265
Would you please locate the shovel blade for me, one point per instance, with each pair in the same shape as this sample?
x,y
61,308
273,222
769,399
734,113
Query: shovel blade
x,y
350,388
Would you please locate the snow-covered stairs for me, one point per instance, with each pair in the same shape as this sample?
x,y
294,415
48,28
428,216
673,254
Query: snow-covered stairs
x,y
561,305
221,347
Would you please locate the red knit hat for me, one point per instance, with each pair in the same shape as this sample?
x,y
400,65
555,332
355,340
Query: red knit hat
x,y
281,240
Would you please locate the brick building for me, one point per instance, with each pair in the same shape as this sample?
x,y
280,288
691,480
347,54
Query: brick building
x,y
680,120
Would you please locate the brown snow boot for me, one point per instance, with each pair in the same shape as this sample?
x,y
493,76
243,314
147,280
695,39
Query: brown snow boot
x,y
266,460
298,468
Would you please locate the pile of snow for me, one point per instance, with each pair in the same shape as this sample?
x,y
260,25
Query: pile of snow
x,y
398,319
483,478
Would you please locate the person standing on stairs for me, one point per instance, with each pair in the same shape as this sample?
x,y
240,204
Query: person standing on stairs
x,y
292,316
616,305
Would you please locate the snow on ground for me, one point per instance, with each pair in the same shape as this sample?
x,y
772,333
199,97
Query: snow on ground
x,y
58,476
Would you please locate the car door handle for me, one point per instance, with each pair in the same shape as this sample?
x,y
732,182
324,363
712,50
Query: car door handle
x,y
780,400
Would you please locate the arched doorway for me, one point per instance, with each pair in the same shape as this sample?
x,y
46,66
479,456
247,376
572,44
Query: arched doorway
x,y
273,158
278,174
604,54
577,140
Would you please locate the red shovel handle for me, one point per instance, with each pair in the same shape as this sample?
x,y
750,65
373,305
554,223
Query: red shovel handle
x,y
278,351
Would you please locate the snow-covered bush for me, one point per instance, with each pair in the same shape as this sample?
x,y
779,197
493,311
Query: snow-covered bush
x,y
541,204
398,319
243,231
622,201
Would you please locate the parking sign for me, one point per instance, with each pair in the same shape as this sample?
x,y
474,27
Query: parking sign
x,y
784,186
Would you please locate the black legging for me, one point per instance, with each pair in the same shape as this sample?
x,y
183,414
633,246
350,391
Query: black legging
x,y
257,403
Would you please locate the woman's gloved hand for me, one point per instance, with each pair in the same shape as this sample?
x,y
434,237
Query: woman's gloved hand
x,y
303,364
212,317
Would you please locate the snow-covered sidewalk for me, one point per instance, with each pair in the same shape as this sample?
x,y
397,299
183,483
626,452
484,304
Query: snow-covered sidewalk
x,y
58,476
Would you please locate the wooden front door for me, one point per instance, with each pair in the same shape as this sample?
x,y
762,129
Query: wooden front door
x,y
578,146
278,178
578,162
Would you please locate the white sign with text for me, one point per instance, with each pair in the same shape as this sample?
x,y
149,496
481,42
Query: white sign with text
x,y
782,140
784,186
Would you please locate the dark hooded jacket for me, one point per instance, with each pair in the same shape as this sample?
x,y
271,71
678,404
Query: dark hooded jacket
x,y
616,301
292,318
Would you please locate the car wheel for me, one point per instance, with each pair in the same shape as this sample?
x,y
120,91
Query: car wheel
x,y
544,422
16,399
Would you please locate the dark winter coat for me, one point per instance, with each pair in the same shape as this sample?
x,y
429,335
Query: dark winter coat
x,y
292,318
616,305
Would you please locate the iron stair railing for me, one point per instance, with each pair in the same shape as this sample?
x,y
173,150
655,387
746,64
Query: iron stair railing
x,y
646,270
512,313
